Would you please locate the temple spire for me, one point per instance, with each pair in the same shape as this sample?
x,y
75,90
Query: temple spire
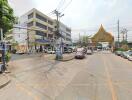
x,y
101,29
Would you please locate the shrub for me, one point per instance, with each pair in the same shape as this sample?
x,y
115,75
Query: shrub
x,y
125,47
7,57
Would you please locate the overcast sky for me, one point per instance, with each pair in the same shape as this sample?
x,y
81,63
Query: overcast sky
x,y
83,16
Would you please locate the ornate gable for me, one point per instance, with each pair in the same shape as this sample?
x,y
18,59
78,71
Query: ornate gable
x,y
102,36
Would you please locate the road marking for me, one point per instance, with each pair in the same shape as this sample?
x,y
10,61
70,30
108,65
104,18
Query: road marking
x,y
113,93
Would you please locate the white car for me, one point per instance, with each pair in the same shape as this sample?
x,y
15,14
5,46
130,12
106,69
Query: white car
x,y
128,54
89,52
129,57
51,51
20,52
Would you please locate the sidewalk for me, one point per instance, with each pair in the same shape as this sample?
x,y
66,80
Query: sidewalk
x,y
43,55
4,80
66,57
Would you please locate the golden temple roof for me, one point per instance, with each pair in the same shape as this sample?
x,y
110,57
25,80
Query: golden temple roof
x,y
102,36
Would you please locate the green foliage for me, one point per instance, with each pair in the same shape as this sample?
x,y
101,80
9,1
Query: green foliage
x,y
120,49
123,48
8,56
84,40
124,42
6,16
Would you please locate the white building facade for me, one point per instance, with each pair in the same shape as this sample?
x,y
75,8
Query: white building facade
x,y
37,30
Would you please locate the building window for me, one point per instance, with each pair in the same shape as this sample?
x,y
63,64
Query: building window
x,y
41,18
50,29
41,26
30,24
41,33
30,16
50,22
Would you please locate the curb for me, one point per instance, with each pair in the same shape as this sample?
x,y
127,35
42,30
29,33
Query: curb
x,y
6,82
65,60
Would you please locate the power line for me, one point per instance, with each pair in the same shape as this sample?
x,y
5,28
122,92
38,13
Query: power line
x,y
118,29
50,13
57,8
66,6
95,29
61,3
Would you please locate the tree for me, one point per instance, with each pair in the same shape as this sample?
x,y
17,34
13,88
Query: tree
x,y
6,16
85,40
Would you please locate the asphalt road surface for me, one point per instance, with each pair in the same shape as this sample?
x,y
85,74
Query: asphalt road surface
x,y
101,76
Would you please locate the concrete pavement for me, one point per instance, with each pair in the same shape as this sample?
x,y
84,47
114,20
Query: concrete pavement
x,y
106,77
101,76
4,80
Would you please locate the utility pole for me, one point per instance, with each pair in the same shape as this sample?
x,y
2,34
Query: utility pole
x,y
57,20
118,34
79,40
126,35
28,41
125,30
59,53
123,34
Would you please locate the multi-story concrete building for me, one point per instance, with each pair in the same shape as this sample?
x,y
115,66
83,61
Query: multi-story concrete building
x,y
40,29
65,33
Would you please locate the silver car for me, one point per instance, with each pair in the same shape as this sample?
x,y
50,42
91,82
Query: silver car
x,y
129,57
89,52
80,54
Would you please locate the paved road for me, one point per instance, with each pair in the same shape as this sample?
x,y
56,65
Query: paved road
x,y
102,76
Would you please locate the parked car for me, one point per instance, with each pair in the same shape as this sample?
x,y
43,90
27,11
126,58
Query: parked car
x,y
126,54
80,54
20,52
89,52
45,50
130,57
122,54
129,53
118,53
50,51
